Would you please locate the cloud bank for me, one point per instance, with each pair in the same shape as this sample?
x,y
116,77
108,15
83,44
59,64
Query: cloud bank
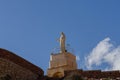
x,y
104,52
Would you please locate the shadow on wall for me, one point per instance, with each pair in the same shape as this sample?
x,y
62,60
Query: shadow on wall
x,y
6,77
58,75
73,77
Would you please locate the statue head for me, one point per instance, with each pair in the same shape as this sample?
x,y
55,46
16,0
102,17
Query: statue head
x,y
62,33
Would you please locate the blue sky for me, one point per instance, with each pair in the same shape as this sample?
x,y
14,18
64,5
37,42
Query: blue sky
x,y
30,28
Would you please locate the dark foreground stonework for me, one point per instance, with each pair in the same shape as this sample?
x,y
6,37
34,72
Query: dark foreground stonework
x,y
13,67
94,74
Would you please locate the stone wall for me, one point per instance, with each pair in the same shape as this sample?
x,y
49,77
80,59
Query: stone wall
x,y
15,71
14,67
5,54
95,74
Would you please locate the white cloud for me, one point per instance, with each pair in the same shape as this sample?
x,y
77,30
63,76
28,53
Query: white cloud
x,y
104,52
78,58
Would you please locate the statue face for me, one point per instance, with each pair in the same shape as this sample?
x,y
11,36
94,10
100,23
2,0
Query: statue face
x,y
62,33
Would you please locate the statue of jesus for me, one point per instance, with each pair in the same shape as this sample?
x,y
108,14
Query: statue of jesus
x,y
62,43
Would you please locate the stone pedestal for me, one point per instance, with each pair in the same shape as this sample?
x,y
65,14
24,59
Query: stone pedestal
x,y
60,63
